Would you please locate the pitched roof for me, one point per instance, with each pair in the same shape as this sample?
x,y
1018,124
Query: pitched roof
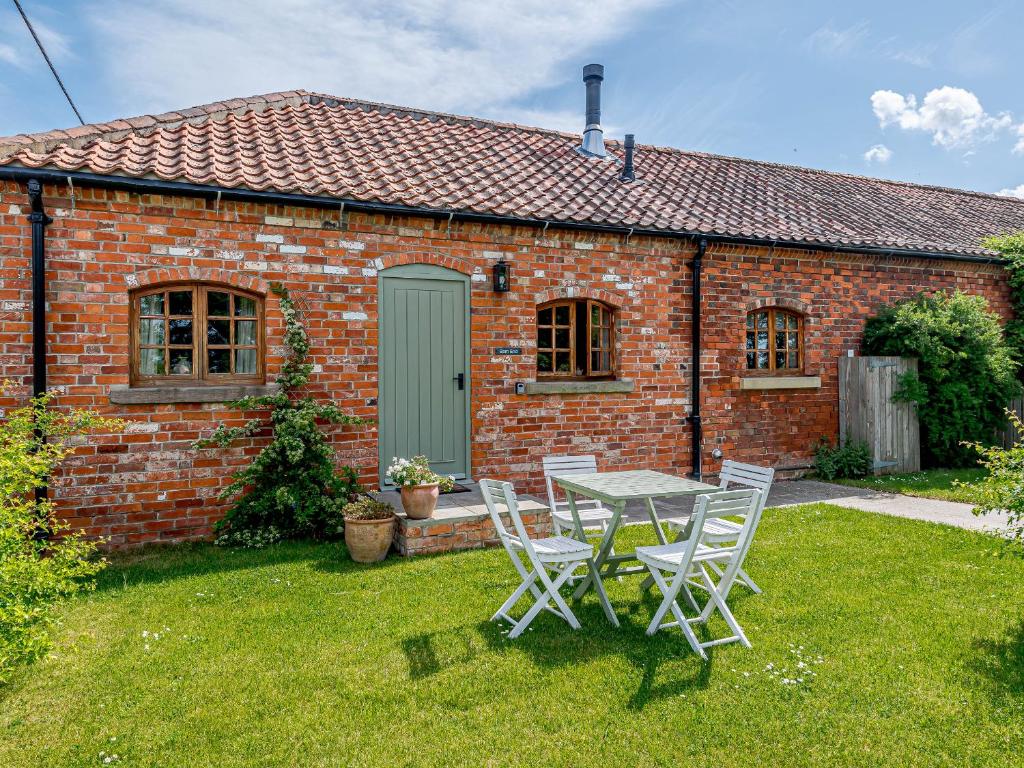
x,y
312,144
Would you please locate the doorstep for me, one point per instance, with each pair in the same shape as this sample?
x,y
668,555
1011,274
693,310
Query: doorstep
x,y
460,521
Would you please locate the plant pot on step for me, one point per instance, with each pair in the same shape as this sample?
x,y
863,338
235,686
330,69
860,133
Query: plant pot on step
x,y
368,541
419,500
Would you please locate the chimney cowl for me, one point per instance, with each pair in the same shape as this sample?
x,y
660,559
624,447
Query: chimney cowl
x,y
593,136
628,174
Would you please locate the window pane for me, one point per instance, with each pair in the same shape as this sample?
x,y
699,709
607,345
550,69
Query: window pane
x,y
751,360
793,360
780,321
750,339
544,362
606,338
750,321
152,304
151,331
762,339
780,359
780,340
595,315
762,319
181,331
562,362
762,359
544,317
794,340
245,361
218,303
245,332
562,314
218,331
181,302
562,338
544,338
595,336
245,307
181,362
218,360
151,362
791,320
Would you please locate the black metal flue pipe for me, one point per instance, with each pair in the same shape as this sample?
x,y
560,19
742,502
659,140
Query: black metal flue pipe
x,y
39,221
694,418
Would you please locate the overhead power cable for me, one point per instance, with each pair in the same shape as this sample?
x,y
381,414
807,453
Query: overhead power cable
x,y
49,63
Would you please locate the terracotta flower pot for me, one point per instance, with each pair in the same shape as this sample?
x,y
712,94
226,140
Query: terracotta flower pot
x,y
368,541
419,500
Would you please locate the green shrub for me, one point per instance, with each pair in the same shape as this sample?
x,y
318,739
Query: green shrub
x,y
292,487
849,461
368,508
1002,490
966,370
41,561
1012,249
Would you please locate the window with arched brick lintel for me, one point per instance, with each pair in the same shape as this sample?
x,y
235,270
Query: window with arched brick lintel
x,y
575,339
196,333
774,341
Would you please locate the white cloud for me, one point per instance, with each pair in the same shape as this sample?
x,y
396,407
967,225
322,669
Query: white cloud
x,y
879,153
17,47
9,54
953,116
453,55
829,41
1017,192
1018,148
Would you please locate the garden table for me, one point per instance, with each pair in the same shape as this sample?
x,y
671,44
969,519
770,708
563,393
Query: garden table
x,y
615,489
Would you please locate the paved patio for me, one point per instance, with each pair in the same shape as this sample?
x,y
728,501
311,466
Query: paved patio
x,y
784,493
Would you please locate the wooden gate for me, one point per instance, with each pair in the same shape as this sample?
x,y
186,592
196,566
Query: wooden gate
x,y
868,414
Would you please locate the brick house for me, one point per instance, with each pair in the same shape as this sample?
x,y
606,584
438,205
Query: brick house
x,y
391,226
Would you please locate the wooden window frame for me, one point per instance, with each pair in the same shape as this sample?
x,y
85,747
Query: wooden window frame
x,y
200,375
773,369
587,306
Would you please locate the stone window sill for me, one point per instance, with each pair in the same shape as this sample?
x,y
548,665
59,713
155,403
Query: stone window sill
x,y
578,387
780,382
122,395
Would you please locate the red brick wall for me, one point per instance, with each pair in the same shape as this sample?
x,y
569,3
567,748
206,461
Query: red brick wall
x,y
149,484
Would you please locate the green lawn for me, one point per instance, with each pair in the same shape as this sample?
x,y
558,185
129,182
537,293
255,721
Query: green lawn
x,y
294,656
930,483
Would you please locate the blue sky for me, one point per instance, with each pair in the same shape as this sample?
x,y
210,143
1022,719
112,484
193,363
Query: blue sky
x,y
921,91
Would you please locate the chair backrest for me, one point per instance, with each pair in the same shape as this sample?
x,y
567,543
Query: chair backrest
x,y
748,475
495,493
736,503
565,465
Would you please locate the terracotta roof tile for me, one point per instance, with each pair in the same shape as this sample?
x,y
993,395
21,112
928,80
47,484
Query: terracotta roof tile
x,y
316,144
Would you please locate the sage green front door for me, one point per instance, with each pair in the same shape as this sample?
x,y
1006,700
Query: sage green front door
x,y
423,398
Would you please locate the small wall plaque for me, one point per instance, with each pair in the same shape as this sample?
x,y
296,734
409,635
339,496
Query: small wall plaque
x,y
508,351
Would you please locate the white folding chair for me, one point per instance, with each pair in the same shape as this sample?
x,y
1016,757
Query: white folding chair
x,y
683,564
724,532
559,554
594,516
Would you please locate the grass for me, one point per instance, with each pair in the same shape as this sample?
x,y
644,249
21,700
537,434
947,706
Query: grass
x,y
293,655
929,483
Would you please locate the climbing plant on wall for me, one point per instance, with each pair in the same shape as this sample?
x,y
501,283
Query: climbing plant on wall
x,y
1012,249
292,488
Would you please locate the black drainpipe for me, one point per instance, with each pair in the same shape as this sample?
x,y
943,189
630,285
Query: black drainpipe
x,y
694,417
39,220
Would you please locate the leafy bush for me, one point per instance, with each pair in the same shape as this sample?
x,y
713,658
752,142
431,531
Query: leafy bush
x,y
249,538
368,508
417,471
292,486
849,461
41,561
1012,249
1002,490
966,371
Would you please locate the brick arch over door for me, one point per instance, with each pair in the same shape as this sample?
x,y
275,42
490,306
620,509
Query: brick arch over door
x,y
425,257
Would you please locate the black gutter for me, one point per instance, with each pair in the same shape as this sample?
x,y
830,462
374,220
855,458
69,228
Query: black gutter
x,y
210,192
697,438
39,221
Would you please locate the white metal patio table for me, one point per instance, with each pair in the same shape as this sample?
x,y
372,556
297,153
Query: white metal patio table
x,y
615,489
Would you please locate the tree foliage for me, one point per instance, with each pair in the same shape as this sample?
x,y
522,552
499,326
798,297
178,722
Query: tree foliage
x,y
41,561
966,370
1002,489
1012,249
293,485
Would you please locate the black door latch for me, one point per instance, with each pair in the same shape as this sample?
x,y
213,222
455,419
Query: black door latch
x,y
461,378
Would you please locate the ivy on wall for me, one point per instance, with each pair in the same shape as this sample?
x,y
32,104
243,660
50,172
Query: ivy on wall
x,y
1012,249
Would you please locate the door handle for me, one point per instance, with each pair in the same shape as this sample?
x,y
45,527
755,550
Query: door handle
x,y
461,378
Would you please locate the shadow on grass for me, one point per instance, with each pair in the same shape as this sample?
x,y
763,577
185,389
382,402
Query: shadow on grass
x,y
1001,660
166,562
431,652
